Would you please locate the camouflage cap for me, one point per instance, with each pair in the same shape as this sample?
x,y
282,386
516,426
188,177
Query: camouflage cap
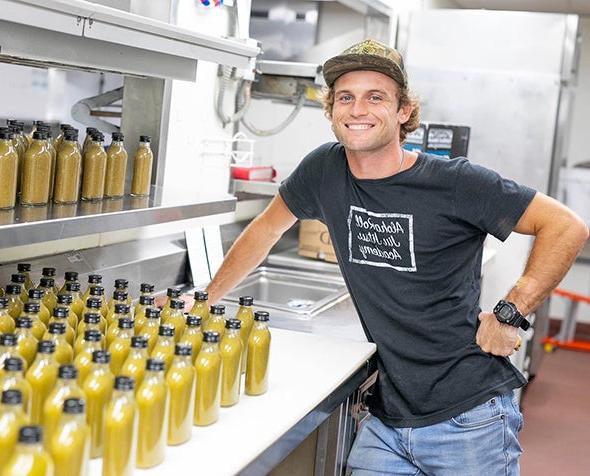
x,y
368,55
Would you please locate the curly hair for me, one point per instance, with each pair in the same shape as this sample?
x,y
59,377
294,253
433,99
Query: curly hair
x,y
404,96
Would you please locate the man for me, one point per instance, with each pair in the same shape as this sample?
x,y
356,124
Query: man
x,y
408,230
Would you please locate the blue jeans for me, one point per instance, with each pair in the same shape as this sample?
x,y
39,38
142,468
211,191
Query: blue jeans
x,y
482,441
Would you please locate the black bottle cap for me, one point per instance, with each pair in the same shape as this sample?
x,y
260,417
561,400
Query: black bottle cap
x,y
49,272
64,299
65,125
5,134
166,330
152,313
36,293
124,383
13,364
94,279
12,396
68,372
183,349
246,301
98,136
73,406
93,303
71,276
30,434
101,357
13,288
45,129
91,318
157,365
146,288
211,336
3,303
46,347
38,135
121,308
71,135
8,340
139,342
218,309
60,312
193,321
23,267
201,295
92,335
57,328
173,292
233,324
73,287
120,295
176,304
91,129
18,278
125,324
145,139
261,316
146,300
46,282
97,291
117,136
121,283
23,322
32,307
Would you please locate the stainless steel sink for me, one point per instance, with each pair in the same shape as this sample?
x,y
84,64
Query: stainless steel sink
x,y
296,292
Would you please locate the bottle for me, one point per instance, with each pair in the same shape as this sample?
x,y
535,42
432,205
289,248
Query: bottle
x,y
90,131
180,381
193,335
208,388
42,376
63,128
12,417
91,322
49,272
94,169
8,170
29,453
120,437
46,129
142,168
246,316
62,314
20,279
92,307
69,277
121,314
98,387
6,320
68,169
13,378
120,345
216,322
25,270
15,305
164,348
64,354
114,186
73,289
36,176
134,365
122,284
26,342
83,361
172,293
70,444
49,298
152,406
258,354
201,306
231,359
144,303
8,348
36,296
151,329
31,310
119,297
66,387
93,280
176,317
146,290
97,292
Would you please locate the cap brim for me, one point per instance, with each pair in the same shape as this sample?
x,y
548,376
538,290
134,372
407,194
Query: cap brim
x,y
342,64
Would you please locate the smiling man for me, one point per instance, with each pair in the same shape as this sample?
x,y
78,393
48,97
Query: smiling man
x,y
408,230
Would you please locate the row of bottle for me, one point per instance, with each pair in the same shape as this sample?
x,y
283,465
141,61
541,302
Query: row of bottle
x,y
41,169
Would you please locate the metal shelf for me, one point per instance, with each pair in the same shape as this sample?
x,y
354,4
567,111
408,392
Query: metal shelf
x,y
84,35
253,186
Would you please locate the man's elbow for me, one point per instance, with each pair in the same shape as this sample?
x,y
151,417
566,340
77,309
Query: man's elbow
x,y
577,229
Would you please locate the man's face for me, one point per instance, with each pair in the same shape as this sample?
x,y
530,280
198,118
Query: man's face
x,y
365,111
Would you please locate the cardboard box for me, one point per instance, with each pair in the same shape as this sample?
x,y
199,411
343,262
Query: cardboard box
x,y
315,242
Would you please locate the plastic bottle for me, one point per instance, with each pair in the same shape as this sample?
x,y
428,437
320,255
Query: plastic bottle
x,y
36,296
258,355
26,342
142,168
180,380
91,342
94,166
8,170
151,329
121,317
73,289
64,354
176,318
49,299
49,145
134,365
90,131
201,306
70,444
91,322
208,388
144,303
49,272
164,348
29,453
120,345
13,378
114,185
172,293
146,290
42,376
15,305
36,175
246,316
93,305
231,358
152,405
216,322
25,270
122,284
193,335
60,316
20,279
8,348
97,292
12,417
120,438
93,280
119,297
6,320
69,277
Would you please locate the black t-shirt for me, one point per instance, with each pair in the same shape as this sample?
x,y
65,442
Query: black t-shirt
x,y
409,247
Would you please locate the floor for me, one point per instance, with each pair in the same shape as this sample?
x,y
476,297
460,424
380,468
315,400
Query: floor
x,y
556,408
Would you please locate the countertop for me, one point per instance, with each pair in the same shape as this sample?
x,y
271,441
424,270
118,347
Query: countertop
x,y
298,382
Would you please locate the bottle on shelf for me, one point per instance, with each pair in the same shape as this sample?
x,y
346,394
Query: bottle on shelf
x,y
134,365
231,359
180,381
91,342
49,144
68,169
201,306
114,186
94,169
8,170
29,453
142,168
13,378
36,179
216,322
42,375
70,444
258,355
193,335
208,386
12,417
26,342
246,315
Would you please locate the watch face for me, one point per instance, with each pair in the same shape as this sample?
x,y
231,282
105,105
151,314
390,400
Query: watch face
x,y
505,313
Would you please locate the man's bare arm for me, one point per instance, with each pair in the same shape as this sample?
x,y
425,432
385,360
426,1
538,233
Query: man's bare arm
x,y
251,248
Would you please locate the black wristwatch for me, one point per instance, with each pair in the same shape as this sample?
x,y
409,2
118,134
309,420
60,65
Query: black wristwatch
x,y
507,313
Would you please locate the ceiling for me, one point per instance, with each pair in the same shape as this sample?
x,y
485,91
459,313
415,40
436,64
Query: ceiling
x,y
579,7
